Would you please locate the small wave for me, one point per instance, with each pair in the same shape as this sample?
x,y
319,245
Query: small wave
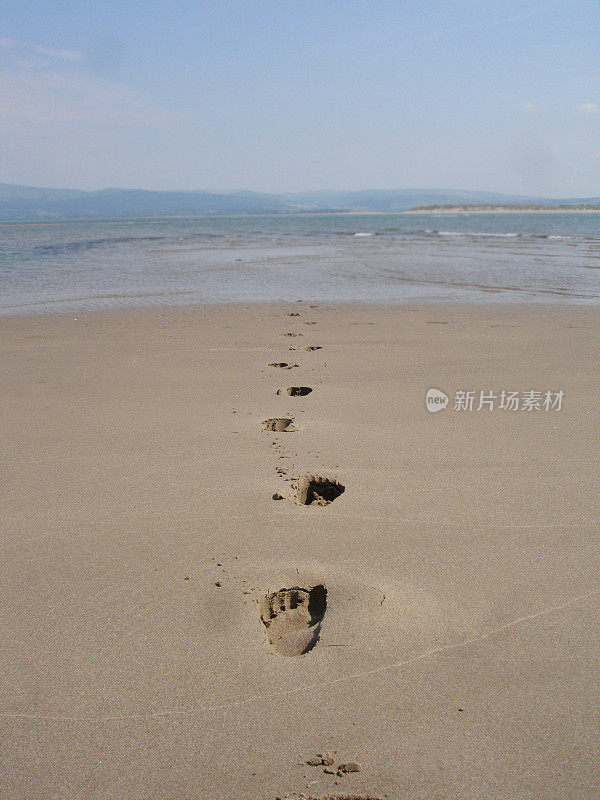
x,y
364,233
479,234
202,235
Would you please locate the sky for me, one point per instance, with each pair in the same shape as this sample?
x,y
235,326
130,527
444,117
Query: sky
x,y
295,95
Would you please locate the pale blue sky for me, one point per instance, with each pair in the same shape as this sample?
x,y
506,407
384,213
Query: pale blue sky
x,y
289,95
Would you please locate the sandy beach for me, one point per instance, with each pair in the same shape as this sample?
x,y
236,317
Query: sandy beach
x,y
425,627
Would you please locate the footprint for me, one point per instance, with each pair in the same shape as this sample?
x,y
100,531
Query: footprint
x,y
293,314
293,618
282,365
278,424
313,490
295,391
292,334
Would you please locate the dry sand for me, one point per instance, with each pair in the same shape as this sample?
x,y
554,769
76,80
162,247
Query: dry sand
x,y
452,651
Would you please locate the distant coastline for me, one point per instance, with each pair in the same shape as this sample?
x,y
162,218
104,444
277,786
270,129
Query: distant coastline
x,y
34,203
506,209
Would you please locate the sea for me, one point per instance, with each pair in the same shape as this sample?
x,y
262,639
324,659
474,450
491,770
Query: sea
x,y
48,267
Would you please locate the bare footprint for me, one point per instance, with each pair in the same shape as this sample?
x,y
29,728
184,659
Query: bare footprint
x,y
313,490
278,424
295,391
293,618
282,365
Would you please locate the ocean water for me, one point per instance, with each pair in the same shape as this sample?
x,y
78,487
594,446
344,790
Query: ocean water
x,y
468,258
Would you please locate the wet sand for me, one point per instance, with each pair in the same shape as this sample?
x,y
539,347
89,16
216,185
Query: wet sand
x,y
169,630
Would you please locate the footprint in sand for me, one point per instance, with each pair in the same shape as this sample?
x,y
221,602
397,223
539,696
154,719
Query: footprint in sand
x,y
313,490
292,334
282,365
278,424
293,618
309,348
295,391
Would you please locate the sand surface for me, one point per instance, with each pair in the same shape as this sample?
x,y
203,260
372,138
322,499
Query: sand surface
x,y
455,651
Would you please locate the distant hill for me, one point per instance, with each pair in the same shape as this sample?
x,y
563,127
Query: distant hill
x,y
23,202
32,203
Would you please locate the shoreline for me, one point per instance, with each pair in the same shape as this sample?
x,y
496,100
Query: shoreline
x,y
273,305
459,210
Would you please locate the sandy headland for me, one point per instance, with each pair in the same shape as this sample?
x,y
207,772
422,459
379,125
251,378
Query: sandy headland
x,y
499,209
243,561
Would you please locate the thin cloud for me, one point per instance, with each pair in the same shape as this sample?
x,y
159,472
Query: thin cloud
x,y
529,108
481,25
51,52
589,109
44,97
48,85
28,50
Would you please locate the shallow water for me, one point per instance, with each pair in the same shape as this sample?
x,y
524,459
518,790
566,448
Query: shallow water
x,y
549,257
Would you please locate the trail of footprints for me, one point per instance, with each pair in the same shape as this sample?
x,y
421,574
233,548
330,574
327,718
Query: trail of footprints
x,y
293,616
